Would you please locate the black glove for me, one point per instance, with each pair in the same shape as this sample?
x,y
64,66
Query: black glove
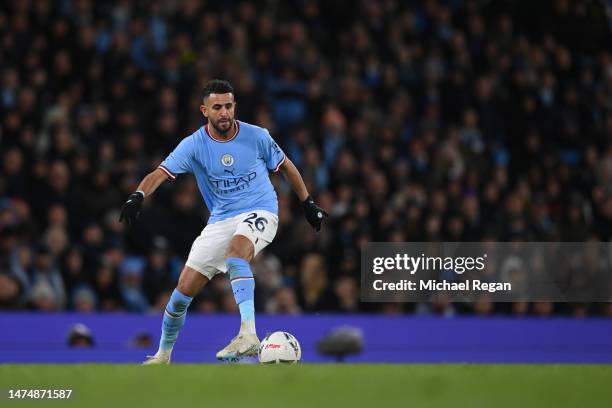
x,y
314,214
131,208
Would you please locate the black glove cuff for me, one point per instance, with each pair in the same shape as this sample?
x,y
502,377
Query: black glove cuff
x,y
137,195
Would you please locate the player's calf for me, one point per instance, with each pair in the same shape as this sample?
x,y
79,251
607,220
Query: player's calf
x,y
173,321
243,286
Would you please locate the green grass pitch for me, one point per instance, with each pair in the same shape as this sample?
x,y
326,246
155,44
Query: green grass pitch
x,y
311,385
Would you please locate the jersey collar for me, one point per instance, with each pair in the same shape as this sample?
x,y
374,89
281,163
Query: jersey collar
x,y
223,141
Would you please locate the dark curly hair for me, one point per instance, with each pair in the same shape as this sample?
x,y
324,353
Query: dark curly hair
x,y
217,86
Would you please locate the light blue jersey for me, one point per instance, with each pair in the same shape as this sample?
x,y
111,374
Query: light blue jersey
x,y
232,175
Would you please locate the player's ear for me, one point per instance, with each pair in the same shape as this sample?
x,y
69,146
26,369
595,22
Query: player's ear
x,y
203,110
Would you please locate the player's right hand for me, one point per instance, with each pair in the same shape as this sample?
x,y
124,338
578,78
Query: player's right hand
x,y
131,208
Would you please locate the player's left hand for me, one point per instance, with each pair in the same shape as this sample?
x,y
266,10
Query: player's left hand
x,y
314,214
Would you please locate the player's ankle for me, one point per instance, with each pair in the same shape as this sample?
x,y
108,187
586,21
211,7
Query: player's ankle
x,y
247,327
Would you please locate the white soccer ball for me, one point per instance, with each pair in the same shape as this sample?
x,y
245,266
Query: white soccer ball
x,y
280,347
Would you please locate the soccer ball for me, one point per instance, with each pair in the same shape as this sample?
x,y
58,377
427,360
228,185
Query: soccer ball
x,y
280,347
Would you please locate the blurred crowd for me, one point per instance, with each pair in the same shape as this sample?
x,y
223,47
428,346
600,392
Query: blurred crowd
x,y
410,121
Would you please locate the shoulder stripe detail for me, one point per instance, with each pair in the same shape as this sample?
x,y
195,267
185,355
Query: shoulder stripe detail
x,y
280,163
223,141
171,176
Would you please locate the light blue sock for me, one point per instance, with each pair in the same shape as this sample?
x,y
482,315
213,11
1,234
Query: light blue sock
x,y
174,319
243,286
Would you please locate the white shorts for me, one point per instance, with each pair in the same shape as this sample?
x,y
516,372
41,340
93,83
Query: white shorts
x,y
207,254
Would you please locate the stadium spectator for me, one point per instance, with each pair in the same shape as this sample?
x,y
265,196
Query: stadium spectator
x,y
80,336
284,301
10,292
106,287
48,290
84,300
131,270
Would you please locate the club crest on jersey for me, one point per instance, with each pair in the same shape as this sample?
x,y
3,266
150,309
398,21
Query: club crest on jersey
x,y
227,160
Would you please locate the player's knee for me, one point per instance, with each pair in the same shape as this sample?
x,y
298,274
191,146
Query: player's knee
x,y
238,253
240,247
191,282
185,288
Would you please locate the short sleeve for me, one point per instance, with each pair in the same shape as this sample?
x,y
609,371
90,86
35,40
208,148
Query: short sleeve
x,y
179,161
272,153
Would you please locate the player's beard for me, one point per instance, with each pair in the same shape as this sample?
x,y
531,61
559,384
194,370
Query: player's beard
x,y
220,130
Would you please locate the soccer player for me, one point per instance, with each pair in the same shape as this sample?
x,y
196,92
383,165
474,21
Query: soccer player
x,y
231,161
